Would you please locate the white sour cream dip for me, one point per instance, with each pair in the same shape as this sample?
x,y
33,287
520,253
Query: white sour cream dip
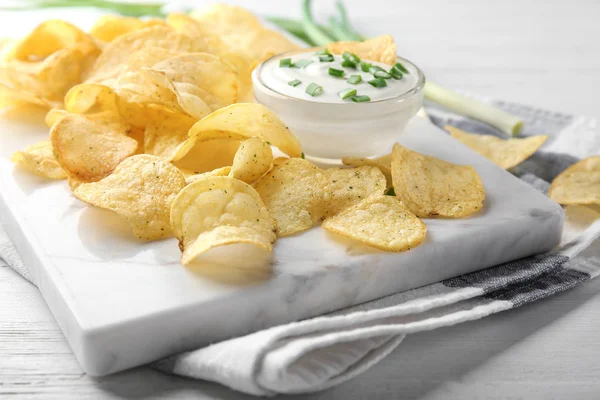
x,y
328,126
277,79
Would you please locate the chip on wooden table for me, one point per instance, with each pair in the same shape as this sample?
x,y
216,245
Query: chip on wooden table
x,y
252,160
505,153
430,187
218,211
141,189
578,184
39,159
296,194
382,222
349,186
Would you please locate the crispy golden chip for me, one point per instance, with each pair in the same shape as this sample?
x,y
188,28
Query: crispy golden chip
x,y
223,171
252,160
352,185
147,57
381,48
87,150
384,163
54,115
578,184
39,159
241,121
379,221
207,156
141,189
115,55
506,153
296,194
431,187
108,27
217,211
188,26
165,131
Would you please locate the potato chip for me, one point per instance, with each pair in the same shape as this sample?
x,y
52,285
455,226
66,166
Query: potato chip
x,y
432,187
252,160
141,189
384,163
578,184
54,115
381,48
108,27
39,159
296,194
87,150
207,156
506,153
186,25
217,211
352,185
223,171
379,221
165,131
241,121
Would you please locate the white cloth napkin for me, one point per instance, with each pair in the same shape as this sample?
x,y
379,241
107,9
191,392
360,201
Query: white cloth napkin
x,y
322,352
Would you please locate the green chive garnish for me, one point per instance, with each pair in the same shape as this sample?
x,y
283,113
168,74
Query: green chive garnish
x,y
354,79
382,74
349,92
323,52
396,74
375,68
314,90
294,83
302,155
326,58
361,99
302,63
390,192
378,82
351,57
285,63
336,72
401,68
348,64
365,66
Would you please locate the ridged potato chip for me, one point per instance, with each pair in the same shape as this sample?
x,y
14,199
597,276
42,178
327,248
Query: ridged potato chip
x,y
350,186
252,160
578,184
384,163
381,48
296,194
141,189
241,121
108,27
382,222
431,187
39,159
207,156
223,171
217,211
87,150
505,153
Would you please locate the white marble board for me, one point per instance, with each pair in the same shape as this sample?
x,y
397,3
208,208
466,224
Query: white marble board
x,y
121,302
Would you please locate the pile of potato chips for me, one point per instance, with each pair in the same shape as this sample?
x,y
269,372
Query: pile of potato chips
x,y
153,120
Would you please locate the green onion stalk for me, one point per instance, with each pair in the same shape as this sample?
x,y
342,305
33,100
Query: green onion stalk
x,y
340,29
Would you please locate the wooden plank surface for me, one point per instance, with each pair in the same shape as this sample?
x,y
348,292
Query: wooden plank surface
x,y
545,54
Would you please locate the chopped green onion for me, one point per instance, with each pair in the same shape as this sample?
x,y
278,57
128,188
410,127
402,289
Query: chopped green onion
x,y
336,72
365,66
323,52
326,58
302,155
349,92
348,64
294,83
401,68
302,63
375,68
396,74
378,82
361,99
390,192
382,74
314,90
354,79
351,57
285,63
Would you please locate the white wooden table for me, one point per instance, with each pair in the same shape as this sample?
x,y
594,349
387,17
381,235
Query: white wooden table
x,y
545,54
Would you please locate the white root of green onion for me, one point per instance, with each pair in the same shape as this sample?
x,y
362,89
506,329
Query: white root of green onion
x,y
507,123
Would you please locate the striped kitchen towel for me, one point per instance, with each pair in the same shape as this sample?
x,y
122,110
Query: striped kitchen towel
x,y
319,353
